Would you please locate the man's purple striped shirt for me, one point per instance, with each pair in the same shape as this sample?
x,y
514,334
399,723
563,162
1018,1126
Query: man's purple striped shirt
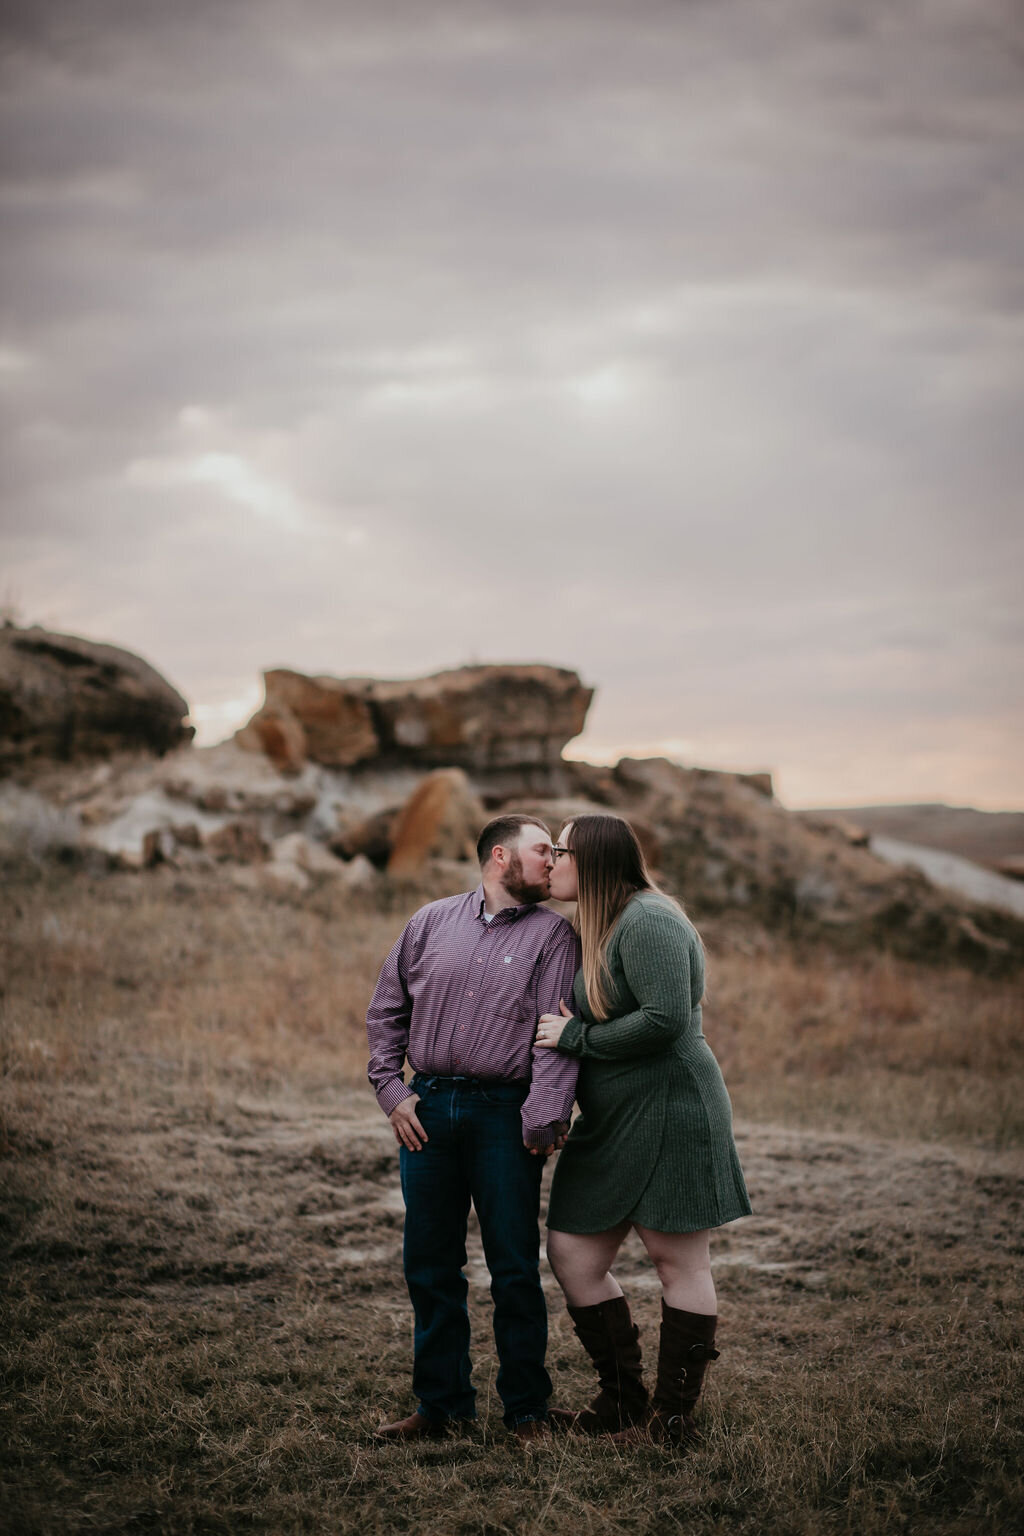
x,y
460,997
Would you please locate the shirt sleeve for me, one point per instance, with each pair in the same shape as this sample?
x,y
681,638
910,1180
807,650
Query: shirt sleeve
x,y
552,1077
387,1027
655,956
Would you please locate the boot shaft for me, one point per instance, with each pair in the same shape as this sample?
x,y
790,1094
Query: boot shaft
x,y
685,1350
612,1340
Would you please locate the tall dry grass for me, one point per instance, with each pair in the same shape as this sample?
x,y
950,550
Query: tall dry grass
x,y
870,1043
203,986
120,978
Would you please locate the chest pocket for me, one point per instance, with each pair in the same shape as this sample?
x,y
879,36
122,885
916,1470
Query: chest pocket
x,y
511,986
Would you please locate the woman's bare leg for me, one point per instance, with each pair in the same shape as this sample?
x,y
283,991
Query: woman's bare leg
x,y
603,1324
582,1264
683,1262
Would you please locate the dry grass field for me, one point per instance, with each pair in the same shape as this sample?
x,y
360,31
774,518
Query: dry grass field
x,y
205,1317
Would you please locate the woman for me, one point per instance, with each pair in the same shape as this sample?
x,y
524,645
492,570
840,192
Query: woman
x,y
653,1147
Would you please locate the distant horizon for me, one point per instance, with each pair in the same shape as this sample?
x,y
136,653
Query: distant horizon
x,y
216,722
579,749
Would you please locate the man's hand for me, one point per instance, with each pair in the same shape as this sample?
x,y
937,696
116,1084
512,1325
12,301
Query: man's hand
x,y
561,1137
408,1131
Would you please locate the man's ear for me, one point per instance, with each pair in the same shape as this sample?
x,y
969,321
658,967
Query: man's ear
x,y
500,855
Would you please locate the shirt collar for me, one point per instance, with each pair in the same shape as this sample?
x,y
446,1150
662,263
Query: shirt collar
x,y
511,913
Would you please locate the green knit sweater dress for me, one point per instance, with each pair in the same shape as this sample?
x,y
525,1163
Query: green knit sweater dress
x,y
653,1143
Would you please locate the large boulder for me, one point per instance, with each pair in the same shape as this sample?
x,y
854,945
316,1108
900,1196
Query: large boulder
x,y
487,720
67,699
482,718
441,819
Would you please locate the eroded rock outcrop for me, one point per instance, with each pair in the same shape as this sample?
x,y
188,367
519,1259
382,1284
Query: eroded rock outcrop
x,y
325,720
341,779
727,850
482,718
69,700
486,720
442,818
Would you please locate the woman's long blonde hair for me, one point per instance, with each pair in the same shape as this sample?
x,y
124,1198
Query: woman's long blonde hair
x,y
610,868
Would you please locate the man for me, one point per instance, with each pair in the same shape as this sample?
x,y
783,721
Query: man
x,y
459,997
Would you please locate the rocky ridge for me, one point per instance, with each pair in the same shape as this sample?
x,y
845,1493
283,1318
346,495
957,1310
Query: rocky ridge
x,y
428,761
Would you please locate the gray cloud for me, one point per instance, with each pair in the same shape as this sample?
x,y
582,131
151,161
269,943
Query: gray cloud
x,y
680,343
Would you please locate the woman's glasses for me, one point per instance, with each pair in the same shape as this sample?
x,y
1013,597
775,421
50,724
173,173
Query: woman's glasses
x,y
560,852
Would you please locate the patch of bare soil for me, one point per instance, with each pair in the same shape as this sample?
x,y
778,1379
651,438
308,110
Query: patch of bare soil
x,y
206,1320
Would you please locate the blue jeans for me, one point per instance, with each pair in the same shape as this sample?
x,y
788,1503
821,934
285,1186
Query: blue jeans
x,y
474,1153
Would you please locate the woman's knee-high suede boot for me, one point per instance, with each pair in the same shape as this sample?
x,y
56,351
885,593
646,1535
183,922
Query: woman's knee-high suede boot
x,y
611,1339
686,1349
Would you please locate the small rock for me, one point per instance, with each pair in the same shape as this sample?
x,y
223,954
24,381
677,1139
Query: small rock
x,y
158,847
370,836
238,842
359,874
295,848
282,872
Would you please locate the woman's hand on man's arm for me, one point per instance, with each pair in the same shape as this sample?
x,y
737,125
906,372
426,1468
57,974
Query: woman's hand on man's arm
x,y
550,1027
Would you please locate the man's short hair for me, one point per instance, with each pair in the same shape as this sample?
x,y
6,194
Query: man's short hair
x,y
504,830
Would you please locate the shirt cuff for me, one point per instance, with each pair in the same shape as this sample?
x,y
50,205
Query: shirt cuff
x,y
391,1095
543,1135
571,1039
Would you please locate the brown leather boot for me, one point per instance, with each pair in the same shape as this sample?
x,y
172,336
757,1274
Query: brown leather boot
x,y
611,1339
685,1350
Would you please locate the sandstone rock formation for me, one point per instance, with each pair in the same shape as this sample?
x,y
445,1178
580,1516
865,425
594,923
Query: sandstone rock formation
x,y
348,774
69,699
485,719
325,719
278,735
441,819
482,718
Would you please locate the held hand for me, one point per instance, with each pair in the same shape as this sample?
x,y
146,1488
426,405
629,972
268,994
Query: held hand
x,y
408,1131
550,1026
561,1137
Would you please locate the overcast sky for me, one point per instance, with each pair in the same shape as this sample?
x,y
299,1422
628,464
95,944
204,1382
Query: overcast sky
x,y
677,341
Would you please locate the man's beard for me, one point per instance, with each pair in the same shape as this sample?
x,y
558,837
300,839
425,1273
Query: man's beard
x,y
518,888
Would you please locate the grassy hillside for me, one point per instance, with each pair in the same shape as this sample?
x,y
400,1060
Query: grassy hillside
x,y
984,836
